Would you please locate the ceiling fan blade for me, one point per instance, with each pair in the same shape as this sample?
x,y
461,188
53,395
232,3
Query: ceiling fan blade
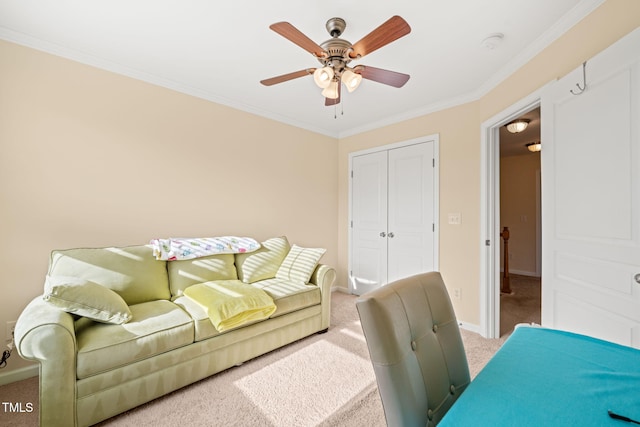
x,y
394,28
294,35
287,77
329,102
379,75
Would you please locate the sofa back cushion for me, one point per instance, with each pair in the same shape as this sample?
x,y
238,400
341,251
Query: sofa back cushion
x,y
185,273
132,272
263,263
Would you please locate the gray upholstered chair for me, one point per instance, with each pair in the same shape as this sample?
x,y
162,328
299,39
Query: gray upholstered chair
x,y
416,349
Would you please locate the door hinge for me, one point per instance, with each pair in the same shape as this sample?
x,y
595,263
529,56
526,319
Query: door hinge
x,y
433,162
351,224
352,173
487,242
433,227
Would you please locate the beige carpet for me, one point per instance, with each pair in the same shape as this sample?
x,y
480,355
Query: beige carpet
x,y
522,305
323,380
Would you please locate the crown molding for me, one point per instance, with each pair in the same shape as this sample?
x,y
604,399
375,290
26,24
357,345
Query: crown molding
x,y
582,9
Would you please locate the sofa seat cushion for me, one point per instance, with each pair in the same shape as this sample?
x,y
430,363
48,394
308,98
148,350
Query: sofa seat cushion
x,y
288,297
155,327
202,324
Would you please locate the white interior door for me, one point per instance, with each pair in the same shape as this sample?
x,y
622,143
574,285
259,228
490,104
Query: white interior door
x,y
411,211
369,222
393,215
591,197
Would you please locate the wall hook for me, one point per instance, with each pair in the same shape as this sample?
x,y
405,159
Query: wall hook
x,y
584,81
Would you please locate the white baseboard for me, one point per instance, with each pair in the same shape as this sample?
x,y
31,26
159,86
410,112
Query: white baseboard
x,y
522,273
19,374
470,327
340,289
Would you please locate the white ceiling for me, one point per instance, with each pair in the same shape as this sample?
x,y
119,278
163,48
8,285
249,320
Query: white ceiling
x,y
221,50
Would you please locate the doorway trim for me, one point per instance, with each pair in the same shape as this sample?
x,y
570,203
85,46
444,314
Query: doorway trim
x,y
490,210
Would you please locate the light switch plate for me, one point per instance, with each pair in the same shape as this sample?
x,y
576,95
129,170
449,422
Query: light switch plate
x,y
455,218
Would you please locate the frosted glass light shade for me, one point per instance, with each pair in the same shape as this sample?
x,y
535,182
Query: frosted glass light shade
x,y
331,91
517,126
534,146
351,80
323,76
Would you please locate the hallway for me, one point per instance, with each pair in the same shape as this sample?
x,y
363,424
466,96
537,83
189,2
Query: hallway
x,y
522,305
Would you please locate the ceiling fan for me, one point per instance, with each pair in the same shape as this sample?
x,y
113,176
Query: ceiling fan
x,y
335,54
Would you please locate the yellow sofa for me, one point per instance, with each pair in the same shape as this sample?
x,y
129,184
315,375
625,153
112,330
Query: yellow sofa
x,y
98,359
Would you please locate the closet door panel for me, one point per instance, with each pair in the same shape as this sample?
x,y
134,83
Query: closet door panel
x,y
411,210
369,216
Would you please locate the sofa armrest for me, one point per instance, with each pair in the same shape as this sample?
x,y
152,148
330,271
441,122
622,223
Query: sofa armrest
x,y
323,277
46,334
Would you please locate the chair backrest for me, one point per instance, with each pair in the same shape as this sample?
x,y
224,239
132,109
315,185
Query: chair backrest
x,y
416,349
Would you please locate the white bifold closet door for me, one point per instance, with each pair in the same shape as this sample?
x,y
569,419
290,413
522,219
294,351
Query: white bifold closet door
x,y
393,218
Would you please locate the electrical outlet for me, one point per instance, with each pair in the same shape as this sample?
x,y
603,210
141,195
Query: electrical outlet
x,y
11,326
457,293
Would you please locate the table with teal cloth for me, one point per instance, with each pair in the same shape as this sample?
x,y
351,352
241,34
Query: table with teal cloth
x,y
546,377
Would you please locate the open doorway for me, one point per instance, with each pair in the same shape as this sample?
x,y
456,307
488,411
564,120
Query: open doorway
x,y
520,221
491,240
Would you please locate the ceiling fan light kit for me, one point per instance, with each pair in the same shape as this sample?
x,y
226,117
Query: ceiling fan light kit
x,y
323,76
335,54
351,80
332,91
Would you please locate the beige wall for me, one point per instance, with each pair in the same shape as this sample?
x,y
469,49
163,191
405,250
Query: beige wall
x,y
459,130
519,182
91,158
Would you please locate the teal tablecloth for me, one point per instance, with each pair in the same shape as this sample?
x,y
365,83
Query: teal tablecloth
x,y
544,377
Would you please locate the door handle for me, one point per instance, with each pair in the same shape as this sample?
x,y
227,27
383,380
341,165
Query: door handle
x,y
637,277
391,235
383,234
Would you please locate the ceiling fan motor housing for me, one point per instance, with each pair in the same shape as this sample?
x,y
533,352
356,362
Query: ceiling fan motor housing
x,y
337,49
337,54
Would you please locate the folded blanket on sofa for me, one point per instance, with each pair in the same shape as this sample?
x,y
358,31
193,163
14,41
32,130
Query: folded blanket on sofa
x,y
189,248
231,303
